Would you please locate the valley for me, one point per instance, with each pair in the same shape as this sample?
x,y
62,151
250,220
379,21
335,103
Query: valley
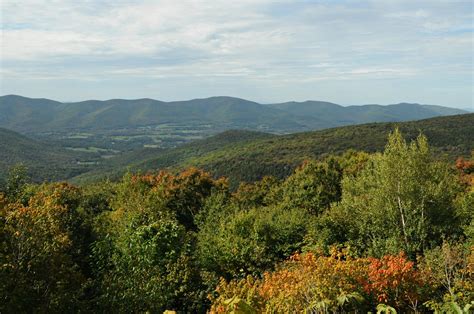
x,y
105,129
87,155
236,157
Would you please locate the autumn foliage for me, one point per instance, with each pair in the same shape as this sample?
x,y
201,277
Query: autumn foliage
x,y
318,283
466,170
391,231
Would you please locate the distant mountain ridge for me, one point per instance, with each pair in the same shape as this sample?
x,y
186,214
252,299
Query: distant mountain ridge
x,y
24,114
338,115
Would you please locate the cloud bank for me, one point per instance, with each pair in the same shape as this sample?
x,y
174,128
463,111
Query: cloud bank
x,y
350,52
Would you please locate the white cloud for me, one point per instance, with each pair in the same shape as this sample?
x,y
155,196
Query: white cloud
x,y
409,14
247,41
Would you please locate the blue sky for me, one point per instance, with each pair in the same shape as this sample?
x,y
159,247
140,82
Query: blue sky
x,y
348,52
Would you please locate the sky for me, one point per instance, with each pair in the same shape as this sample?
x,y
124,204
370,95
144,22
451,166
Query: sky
x,y
347,52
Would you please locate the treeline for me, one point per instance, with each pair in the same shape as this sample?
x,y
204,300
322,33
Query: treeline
x,y
373,232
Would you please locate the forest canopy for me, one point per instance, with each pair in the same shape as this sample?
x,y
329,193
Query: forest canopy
x,y
377,232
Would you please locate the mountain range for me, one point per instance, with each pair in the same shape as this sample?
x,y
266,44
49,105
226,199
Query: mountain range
x,y
31,115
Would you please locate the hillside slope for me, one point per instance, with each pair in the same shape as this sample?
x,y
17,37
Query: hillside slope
x,y
43,160
257,155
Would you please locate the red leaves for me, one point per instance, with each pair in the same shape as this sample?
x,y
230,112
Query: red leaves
x,y
466,170
393,279
309,278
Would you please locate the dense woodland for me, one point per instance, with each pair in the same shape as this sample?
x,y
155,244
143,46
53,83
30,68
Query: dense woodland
x,y
240,155
359,231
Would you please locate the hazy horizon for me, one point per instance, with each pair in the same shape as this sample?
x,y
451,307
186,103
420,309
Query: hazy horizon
x,y
261,103
346,52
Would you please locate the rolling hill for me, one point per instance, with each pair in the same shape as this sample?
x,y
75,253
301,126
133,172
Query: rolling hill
x,y
43,160
244,155
42,115
29,115
248,156
331,114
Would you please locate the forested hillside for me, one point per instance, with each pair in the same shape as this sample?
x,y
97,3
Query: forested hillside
x,y
113,127
43,115
43,160
239,155
381,232
242,156
46,115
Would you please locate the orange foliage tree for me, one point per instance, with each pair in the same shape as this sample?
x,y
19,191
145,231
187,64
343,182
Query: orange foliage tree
x,y
394,280
317,283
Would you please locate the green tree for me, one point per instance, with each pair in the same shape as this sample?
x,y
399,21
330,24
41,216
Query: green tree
x,y
144,253
234,242
150,268
401,201
449,268
256,194
41,252
16,182
313,186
